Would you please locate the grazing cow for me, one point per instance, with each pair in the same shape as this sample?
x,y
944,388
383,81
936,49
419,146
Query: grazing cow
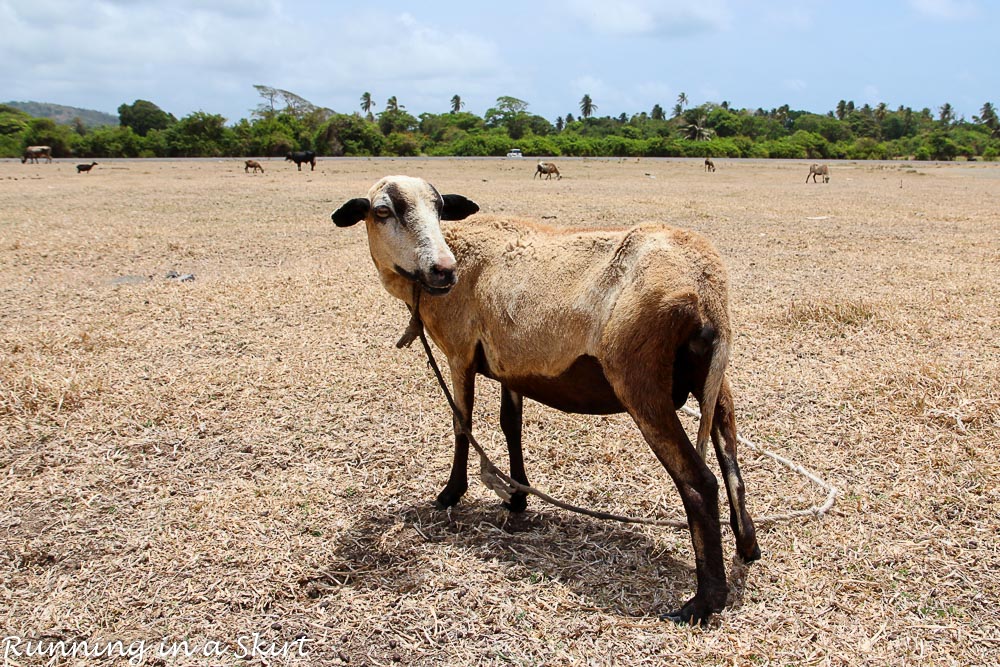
x,y
85,168
585,320
819,170
547,168
299,157
253,164
33,153
709,165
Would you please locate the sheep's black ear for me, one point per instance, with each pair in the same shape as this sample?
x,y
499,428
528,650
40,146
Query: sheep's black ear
x,y
457,207
353,212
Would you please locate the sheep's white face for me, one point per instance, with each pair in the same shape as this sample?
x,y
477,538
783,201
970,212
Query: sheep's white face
x,y
403,216
404,232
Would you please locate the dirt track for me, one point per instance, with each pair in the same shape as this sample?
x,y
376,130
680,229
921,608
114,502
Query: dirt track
x,y
248,453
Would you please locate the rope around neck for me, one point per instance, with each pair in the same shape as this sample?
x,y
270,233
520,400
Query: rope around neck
x,y
504,485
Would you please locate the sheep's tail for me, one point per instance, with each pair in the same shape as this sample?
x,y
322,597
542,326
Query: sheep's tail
x,y
710,394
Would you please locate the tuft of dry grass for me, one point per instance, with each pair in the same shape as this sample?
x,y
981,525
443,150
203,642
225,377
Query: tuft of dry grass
x,y
829,315
246,454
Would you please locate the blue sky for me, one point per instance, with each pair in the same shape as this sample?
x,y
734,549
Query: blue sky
x,y
628,55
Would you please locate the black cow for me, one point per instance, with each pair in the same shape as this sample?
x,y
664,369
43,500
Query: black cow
x,y
302,156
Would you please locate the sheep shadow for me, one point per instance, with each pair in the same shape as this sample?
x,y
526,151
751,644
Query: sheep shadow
x,y
617,568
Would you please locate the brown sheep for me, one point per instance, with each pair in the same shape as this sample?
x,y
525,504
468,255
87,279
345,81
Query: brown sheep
x,y
547,168
709,165
34,153
819,170
253,164
592,321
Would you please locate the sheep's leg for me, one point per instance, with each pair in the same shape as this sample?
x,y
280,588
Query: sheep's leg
x,y
510,423
698,488
724,439
463,383
699,492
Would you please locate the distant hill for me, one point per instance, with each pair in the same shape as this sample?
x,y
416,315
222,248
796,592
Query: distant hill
x,y
64,115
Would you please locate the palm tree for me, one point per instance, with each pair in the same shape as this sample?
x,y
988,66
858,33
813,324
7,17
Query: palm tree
x,y
841,110
587,106
881,111
678,109
682,99
988,117
367,103
946,113
988,114
456,104
391,104
657,113
696,129
559,124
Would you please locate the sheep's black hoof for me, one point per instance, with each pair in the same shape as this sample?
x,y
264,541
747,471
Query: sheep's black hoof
x,y
448,498
692,613
518,503
754,555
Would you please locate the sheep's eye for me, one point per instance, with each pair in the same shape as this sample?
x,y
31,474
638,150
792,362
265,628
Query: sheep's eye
x,y
382,212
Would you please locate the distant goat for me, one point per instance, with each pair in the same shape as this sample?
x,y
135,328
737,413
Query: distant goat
x,y
80,168
253,164
819,170
302,156
33,153
587,320
547,168
709,165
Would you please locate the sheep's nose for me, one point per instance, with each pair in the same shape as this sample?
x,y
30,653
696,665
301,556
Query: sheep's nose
x,y
443,273
442,277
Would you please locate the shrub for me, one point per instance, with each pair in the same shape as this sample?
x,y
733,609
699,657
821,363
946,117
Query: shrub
x,y
784,149
403,144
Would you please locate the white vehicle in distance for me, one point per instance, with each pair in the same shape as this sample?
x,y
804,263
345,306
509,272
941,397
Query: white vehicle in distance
x,y
515,152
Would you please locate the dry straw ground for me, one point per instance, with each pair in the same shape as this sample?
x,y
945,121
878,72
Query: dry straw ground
x,y
247,452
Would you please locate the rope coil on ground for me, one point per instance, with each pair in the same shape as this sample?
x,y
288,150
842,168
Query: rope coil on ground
x,y
504,485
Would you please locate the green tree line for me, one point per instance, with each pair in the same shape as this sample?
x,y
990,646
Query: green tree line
x,y
285,122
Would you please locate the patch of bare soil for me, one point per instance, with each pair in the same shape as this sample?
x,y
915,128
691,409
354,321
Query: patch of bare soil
x,y
244,461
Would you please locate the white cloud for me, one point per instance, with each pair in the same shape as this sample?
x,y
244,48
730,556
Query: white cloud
x,y
650,17
945,9
191,54
420,64
590,85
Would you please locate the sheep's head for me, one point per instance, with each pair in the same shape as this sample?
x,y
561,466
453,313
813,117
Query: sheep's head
x,y
403,216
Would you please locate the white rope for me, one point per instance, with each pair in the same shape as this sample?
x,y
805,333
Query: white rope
x,y
815,511
504,485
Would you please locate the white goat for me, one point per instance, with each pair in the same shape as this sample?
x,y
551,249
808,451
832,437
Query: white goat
x,y
593,321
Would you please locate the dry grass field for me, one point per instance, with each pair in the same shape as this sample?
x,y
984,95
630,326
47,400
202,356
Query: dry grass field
x,y
247,452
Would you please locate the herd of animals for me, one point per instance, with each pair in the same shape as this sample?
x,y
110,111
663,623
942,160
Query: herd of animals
x,y
619,301
543,168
